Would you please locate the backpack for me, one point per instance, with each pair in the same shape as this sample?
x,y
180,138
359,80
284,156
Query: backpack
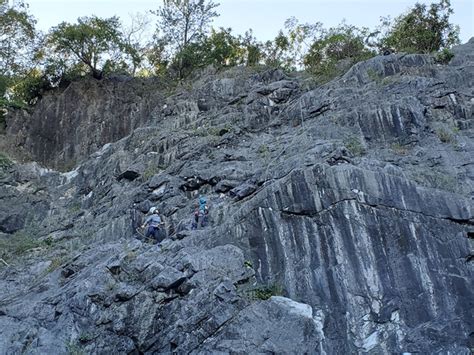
x,y
202,205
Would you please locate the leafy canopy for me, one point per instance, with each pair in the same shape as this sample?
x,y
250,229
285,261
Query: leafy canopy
x,y
335,47
185,21
18,40
422,29
183,24
94,42
17,35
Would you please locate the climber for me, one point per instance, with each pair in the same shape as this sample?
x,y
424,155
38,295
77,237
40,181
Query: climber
x,y
154,225
201,212
196,217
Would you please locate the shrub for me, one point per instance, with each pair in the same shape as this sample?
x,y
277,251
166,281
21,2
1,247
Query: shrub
x,y
85,337
354,145
248,264
444,56
438,180
150,171
18,244
263,150
399,149
445,136
74,349
336,50
5,161
55,264
264,292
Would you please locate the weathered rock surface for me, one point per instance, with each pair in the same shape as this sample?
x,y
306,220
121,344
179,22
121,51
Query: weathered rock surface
x,y
351,204
64,129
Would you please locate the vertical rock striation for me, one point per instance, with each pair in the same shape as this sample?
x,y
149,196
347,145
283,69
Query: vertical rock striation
x,y
341,216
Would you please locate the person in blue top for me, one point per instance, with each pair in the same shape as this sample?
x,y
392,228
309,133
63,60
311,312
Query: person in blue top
x,y
201,213
153,223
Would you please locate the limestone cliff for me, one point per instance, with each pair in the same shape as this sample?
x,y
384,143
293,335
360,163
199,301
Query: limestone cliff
x,y
350,203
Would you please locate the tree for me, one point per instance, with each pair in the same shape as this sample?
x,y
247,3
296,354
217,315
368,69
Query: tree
x,y
221,48
300,38
138,37
96,43
422,29
337,48
184,22
157,58
17,37
18,40
277,52
252,52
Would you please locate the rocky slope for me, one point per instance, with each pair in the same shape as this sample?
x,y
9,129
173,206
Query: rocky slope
x,y
350,203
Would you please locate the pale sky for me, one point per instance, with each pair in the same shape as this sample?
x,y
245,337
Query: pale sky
x,y
265,17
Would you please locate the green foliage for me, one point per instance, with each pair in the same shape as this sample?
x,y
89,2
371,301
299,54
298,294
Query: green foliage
x,y
399,148
75,207
277,52
265,292
341,43
96,43
184,23
85,337
221,49
263,150
5,161
155,54
252,51
18,42
445,136
188,59
49,241
150,171
74,349
17,29
215,132
300,38
55,264
438,180
422,29
27,88
18,244
354,145
444,56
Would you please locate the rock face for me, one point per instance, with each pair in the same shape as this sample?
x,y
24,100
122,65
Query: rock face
x,y
66,127
341,216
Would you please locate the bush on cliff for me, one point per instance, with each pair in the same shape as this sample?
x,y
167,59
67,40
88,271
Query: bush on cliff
x,y
337,49
422,29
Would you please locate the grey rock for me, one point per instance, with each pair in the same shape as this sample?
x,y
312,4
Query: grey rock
x,y
225,185
168,278
243,190
158,180
131,173
362,219
278,325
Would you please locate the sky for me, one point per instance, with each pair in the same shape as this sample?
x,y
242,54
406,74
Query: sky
x,y
265,17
